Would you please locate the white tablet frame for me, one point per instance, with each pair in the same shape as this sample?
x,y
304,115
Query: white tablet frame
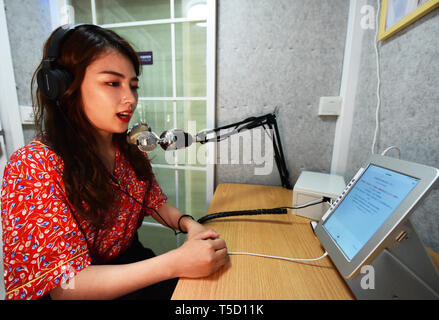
x,y
389,234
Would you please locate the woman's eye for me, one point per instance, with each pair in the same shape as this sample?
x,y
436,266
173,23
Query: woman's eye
x,y
113,84
135,87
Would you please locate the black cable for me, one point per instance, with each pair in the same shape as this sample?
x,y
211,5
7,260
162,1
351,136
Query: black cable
x,y
241,213
324,199
280,210
112,177
141,204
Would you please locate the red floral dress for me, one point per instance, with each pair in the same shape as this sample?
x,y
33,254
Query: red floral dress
x,y
44,243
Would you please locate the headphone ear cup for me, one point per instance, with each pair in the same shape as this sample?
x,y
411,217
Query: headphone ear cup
x,y
65,80
53,83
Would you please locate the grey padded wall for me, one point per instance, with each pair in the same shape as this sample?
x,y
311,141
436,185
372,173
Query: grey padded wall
x,y
28,28
286,54
409,109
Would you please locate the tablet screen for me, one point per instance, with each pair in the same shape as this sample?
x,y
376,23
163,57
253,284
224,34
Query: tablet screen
x,y
366,207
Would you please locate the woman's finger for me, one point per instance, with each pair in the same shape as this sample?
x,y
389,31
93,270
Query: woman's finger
x,y
218,244
208,234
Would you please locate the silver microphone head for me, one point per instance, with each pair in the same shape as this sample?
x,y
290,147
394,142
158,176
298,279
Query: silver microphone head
x,y
141,136
147,141
134,132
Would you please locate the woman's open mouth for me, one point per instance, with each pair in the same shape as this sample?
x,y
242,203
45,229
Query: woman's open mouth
x,y
124,116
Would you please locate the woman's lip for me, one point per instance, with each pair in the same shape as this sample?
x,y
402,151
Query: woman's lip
x,y
127,118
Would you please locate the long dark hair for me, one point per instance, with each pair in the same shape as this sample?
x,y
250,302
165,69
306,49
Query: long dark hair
x,y
66,129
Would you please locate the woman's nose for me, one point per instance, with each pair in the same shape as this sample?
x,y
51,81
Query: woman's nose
x,y
129,97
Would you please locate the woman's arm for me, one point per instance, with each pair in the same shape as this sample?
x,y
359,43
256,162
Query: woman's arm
x,y
198,257
202,254
112,281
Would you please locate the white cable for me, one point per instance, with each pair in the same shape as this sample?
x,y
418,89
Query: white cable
x,y
275,257
390,148
378,93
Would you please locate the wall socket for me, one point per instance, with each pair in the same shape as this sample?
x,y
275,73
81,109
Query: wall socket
x,y
330,106
27,115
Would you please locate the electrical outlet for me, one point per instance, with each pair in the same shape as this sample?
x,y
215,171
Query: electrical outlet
x,y
330,106
27,115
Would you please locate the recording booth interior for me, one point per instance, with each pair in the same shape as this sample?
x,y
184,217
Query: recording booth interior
x,y
304,133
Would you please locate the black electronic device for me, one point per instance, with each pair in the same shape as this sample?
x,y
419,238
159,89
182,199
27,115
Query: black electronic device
x,y
52,79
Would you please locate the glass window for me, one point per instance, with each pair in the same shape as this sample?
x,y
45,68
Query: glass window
x,y
192,192
82,11
190,56
191,117
155,78
190,9
157,239
166,179
117,11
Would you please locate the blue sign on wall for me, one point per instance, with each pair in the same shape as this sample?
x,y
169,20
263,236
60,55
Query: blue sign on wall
x,y
145,57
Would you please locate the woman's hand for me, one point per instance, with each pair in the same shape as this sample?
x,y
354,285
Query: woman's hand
x,y
193,228
201,255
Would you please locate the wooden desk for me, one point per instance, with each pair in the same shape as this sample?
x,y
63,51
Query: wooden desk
x,y
257,278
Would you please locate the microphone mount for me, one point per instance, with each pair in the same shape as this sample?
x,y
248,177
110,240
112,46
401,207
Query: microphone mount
x,y
268,120
141,135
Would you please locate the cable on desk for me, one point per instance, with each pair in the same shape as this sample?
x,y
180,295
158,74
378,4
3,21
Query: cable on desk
x,y
242,213
280,210
309,204
276,257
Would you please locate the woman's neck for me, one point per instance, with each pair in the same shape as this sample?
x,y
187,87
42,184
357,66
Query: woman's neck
x,y
106,150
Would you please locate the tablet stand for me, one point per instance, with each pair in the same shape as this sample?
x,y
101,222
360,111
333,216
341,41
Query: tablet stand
x,y
403,272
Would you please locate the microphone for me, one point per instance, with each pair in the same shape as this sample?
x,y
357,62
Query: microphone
x,y
175,139
146,140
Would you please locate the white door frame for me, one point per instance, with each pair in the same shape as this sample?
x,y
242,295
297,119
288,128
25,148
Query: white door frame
x,y
10,121
9,108
210,81
348,89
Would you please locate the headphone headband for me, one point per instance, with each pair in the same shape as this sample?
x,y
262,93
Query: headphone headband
x,y
58,38
53,80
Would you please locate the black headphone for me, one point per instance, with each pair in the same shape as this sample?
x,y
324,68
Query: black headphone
x,y
53,80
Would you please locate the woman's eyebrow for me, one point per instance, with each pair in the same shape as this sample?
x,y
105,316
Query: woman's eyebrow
x,y
117,74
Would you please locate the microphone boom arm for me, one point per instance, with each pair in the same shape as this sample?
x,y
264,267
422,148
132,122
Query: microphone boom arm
x,y
247,124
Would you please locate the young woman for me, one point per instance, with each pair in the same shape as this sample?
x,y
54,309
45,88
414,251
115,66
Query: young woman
x,y
73,198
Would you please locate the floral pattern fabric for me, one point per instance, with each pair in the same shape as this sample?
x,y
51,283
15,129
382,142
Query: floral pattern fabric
x,y
44,242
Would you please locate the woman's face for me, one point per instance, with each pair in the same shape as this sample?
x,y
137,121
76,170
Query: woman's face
x,y
109,93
